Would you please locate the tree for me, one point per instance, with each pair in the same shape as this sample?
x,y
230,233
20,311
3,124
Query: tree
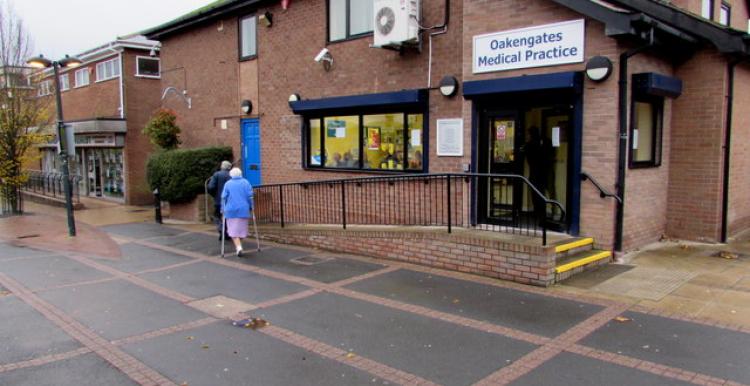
x,y
162,129
22,112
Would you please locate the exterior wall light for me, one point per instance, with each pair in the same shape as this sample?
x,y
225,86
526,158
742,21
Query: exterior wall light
x,y
246,106
266,19
448,86
294,98
598,68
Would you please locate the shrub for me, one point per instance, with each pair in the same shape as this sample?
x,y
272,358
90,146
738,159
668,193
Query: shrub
x,y
162,129
180,174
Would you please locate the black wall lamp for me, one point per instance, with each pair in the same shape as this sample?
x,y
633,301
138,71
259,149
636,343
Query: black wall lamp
x,y
448,86
598,68
246,106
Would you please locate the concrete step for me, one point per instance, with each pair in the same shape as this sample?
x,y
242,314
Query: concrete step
x,y
581,261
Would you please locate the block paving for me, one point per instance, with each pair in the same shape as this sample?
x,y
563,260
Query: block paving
x,y
370,324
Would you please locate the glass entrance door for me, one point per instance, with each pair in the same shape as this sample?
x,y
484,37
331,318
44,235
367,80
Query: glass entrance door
x,y
104,172
499,154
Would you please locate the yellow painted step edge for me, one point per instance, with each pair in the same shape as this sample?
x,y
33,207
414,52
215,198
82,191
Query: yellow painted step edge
x,y
574,244
584,261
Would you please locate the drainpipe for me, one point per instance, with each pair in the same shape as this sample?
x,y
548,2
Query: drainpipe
x,y
442,29
727,149
623,145
122,87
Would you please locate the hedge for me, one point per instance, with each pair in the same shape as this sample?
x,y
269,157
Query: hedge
x,y
180,174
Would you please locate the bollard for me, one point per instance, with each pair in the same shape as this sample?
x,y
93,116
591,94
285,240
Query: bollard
x,y
157,206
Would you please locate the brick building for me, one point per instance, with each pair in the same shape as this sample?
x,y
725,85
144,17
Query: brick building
x,y
655,137
107,101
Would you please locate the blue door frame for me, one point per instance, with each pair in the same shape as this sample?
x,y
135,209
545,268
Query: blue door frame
x,y
250,147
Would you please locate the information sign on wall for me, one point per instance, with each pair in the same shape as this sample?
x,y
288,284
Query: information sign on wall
x,y
450,137
544,45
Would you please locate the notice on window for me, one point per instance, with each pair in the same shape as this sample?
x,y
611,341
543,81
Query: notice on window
x,y
556,136
450,137
416,138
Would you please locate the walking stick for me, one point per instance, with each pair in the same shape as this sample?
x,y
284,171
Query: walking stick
x,y
257,237
223,233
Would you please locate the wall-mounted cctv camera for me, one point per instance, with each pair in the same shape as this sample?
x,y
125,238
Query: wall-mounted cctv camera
x,y
321,55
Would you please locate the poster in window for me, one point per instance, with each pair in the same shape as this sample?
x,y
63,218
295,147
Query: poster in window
x,y
336,129
373,138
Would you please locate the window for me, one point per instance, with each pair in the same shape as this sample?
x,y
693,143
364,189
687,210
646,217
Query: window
x,y
707,9
725,13
147,67
388,141
107,70
64,82
82,77
45,88
349,18
248,42
646,131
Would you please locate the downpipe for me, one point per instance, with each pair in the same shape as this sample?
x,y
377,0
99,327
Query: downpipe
x,y
727,151
623,142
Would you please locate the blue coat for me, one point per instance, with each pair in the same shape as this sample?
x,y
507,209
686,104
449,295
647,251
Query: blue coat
x,y
237,198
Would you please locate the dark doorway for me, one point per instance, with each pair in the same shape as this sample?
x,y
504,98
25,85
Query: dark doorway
x,y
531,139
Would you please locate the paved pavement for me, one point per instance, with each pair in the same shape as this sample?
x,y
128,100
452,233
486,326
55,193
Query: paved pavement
x,y
163,312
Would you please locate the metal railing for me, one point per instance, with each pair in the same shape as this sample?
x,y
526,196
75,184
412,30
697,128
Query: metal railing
x,y
11,201
50,184
444,200
603,193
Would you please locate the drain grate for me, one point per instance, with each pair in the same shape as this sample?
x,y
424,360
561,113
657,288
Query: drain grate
x,y
310,260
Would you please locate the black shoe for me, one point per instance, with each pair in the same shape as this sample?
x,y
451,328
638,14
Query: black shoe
x,y
239,253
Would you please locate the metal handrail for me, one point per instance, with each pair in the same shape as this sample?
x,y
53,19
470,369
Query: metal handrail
x,y
603,193
318,201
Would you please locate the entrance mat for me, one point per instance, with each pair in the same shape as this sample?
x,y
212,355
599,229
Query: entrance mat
x,y
596,276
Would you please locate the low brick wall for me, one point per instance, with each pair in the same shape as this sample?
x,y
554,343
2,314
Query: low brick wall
x,y
522,263
192,211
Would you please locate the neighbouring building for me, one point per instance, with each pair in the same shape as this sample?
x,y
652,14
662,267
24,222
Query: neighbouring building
x,y
107,101
667,137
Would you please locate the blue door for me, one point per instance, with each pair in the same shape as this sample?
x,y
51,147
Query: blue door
x,y
251,150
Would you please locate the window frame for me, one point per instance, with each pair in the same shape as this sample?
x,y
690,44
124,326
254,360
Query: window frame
x,y
348,36
240,57
725,6
103,63
137,67
711,5
45,88
64,85
657,135
404,111
75,77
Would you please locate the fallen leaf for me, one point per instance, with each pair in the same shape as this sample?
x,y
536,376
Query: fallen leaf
x,y
456,301
190,338
622,319
205,346
350,355
728,255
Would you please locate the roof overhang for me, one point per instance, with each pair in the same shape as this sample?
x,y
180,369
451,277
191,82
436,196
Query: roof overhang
x,y
98,125
210,12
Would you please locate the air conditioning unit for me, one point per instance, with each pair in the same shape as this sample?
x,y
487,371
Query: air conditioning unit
x,y
396,22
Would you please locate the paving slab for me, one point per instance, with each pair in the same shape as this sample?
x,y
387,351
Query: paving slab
x,y
27,334
330,269
8,251
220,354
710,350
84,370
201,243
137,258
526,311
49,271
575,370
206,279
141,230
118,309
438,351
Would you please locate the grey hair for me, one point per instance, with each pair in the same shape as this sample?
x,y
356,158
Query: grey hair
x,y
226,165
235,172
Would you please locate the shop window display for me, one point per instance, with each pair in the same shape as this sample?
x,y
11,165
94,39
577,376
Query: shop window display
x,y
384,143
341,142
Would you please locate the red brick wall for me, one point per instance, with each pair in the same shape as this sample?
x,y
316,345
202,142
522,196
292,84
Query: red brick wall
x,y
695,175
739,175
141,99
97,100
646,189
204,62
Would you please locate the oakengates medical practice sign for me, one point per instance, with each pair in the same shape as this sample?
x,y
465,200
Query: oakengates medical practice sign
x,y
544,45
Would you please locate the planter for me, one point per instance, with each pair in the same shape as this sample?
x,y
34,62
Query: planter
x,y
191,211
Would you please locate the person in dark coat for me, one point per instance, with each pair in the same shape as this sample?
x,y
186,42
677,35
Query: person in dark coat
x,y
215,187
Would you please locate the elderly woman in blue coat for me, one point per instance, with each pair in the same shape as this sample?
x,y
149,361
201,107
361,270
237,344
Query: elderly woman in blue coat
x,y
237,202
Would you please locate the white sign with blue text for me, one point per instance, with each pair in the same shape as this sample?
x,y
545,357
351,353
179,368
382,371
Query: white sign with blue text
x,y
544,45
